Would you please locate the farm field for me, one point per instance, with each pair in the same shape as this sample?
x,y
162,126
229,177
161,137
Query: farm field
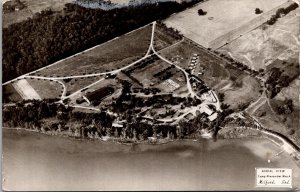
x,y
10,94
46,89
75,84
32,7
25,90
106,57
222,23
28,88
260,47
164,37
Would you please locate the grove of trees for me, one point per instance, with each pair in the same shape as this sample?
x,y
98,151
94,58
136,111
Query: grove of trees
x,y
280,11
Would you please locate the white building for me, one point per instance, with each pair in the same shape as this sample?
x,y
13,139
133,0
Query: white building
x,y
213,117
205,109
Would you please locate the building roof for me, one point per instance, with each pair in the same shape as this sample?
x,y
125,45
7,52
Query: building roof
x,y
99,93
213,117
205,109
117,125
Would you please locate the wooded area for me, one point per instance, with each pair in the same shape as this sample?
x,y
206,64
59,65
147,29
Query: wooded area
x,y
50,36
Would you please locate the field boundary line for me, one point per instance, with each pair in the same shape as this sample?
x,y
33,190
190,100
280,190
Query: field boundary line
x,y
245,28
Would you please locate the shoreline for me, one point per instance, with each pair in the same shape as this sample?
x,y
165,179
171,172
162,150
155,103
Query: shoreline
x,y
260,148
110,139
269,135
286,146
115,160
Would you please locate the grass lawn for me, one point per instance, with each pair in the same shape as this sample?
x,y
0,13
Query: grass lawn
x,y
45,88
163,38
76,84
181,54
145,75
105,57
10,94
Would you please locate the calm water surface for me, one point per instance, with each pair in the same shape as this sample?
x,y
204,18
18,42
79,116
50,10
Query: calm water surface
x,y
32,161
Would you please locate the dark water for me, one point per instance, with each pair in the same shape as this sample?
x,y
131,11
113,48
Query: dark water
x,y
33,161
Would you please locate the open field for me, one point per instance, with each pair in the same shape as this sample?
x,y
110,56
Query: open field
x,y
31,89
104,83
225,20
105,57
32,7
214,70
164,37
10,94
76,84
260,47
245,90
25,90
46,89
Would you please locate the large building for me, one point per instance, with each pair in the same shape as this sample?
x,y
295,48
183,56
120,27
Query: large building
x,y
98,95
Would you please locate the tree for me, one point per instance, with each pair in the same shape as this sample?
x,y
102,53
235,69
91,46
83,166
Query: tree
x,y
258,11
201,12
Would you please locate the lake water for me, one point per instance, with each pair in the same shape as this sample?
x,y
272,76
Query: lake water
x,y
32,161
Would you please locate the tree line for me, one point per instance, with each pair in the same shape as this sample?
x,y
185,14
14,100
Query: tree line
x,y
280,11
50,36
48,116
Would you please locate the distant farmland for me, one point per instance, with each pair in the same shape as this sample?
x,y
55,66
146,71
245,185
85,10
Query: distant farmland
x,y
224,22
32,7
260,47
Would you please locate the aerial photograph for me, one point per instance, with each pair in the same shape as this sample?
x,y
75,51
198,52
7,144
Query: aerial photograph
x,y
160,95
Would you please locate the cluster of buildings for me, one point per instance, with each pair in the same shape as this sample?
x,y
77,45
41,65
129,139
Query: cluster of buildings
x,y
95,97
194,62
211,115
